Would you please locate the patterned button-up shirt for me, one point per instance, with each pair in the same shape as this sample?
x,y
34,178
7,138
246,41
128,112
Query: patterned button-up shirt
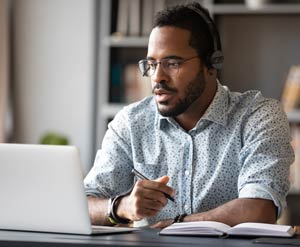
x,y
240,148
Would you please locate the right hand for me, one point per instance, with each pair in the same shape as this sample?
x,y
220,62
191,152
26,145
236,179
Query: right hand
x,y
146,199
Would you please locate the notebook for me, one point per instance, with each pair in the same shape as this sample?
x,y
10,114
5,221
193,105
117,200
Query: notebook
x,y
213,228
41,188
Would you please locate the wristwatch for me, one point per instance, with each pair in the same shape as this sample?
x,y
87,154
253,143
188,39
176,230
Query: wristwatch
x,y
112,215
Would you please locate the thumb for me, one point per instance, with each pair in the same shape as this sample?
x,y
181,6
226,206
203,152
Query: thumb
x,y
163,179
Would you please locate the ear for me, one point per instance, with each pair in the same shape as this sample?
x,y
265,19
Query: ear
x,y
210,73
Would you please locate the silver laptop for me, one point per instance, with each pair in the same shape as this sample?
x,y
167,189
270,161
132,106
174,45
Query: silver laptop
x,y
41,189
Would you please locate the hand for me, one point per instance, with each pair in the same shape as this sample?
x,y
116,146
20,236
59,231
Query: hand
x,y
146,199
162,224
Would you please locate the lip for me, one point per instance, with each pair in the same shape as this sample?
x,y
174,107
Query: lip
x,y
161,91
162,95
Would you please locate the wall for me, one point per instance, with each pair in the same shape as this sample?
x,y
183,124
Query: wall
x,y
53,44
259,51
4,69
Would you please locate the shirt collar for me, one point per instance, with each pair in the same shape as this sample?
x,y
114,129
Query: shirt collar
x,y
216,111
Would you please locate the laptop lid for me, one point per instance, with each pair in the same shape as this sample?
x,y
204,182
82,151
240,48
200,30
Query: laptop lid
x,y
41,189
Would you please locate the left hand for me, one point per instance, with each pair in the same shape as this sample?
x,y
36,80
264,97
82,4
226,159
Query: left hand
x,y
162,224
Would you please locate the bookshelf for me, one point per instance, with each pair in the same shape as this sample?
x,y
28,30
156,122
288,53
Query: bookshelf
x,y
259,45
267,9
251,65
250,61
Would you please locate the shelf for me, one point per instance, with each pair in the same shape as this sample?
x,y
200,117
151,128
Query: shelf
x,y
294,116
111,109
265,9
294,192
122,41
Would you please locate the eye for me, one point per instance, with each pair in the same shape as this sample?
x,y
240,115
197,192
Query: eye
x,y
151,64
172,63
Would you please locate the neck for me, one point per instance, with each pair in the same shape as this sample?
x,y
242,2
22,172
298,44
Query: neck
x,y
192,115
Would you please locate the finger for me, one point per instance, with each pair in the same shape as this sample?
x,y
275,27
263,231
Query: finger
x,y
158,185
153,204
145,193
163,179
144,213
145,208
162,224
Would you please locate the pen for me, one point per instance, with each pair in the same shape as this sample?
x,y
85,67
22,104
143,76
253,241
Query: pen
x,y
141,176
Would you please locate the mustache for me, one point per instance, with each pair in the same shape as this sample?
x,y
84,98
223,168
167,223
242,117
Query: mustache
x,y
163,85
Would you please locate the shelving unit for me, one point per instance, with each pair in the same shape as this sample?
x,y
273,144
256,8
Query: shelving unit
x,y
267,9
248,64
115,41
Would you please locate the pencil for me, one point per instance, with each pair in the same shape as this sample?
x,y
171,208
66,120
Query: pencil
x,y
141,176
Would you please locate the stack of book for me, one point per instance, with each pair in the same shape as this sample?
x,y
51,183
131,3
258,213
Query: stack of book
x,y
127,84
135,17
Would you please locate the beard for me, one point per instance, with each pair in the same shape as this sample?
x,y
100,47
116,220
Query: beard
x,y
192,92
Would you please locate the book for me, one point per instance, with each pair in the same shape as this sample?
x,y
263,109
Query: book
x,y
136,87
115,92
290,97
123,18
294,176
147,14
159,5
213,228
134,18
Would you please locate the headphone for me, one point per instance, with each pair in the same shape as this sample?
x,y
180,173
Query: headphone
x,y
215,60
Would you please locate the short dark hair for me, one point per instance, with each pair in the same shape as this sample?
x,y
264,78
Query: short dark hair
x,y
183,16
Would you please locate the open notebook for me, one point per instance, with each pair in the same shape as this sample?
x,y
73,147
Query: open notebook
x,y
213,228
41,188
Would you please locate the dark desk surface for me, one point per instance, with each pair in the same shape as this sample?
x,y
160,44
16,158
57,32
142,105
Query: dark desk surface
x,y
140,238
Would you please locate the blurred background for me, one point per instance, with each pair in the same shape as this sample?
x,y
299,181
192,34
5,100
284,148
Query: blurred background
x,y
47,65
68,66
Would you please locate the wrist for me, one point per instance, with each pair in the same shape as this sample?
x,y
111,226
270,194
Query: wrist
x,y
179,218
121,208
113,212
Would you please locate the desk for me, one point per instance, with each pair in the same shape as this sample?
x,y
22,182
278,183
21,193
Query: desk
x,y
141,238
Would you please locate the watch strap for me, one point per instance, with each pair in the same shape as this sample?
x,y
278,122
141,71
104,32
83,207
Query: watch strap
x,y
112,215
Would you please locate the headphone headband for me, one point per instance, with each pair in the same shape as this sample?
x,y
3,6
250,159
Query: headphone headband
x,y
216,58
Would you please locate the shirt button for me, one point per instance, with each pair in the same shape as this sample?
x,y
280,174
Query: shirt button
x,y
187,173
186,207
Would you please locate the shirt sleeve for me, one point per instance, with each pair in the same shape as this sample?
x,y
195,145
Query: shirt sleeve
x,y
266,154
111,172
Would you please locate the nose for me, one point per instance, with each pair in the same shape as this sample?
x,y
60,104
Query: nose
x,y
159,74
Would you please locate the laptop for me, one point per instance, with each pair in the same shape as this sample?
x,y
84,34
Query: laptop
x,y
41,189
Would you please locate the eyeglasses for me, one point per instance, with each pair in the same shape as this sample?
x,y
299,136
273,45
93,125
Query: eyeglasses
x,y
169,65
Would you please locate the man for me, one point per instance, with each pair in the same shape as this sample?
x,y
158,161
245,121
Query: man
x,y
222,156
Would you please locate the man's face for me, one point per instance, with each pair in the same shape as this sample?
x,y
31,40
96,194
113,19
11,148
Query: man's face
x,y
175,93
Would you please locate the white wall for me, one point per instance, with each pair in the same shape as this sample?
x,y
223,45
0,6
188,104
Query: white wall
x,y
53,49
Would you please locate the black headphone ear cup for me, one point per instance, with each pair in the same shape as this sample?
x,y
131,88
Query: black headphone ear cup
x,y
216,59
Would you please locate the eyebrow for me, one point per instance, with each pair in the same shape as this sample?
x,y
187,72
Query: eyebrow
x,y
167,57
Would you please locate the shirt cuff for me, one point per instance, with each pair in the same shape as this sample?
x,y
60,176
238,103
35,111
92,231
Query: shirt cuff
x,y
263,192
96,193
